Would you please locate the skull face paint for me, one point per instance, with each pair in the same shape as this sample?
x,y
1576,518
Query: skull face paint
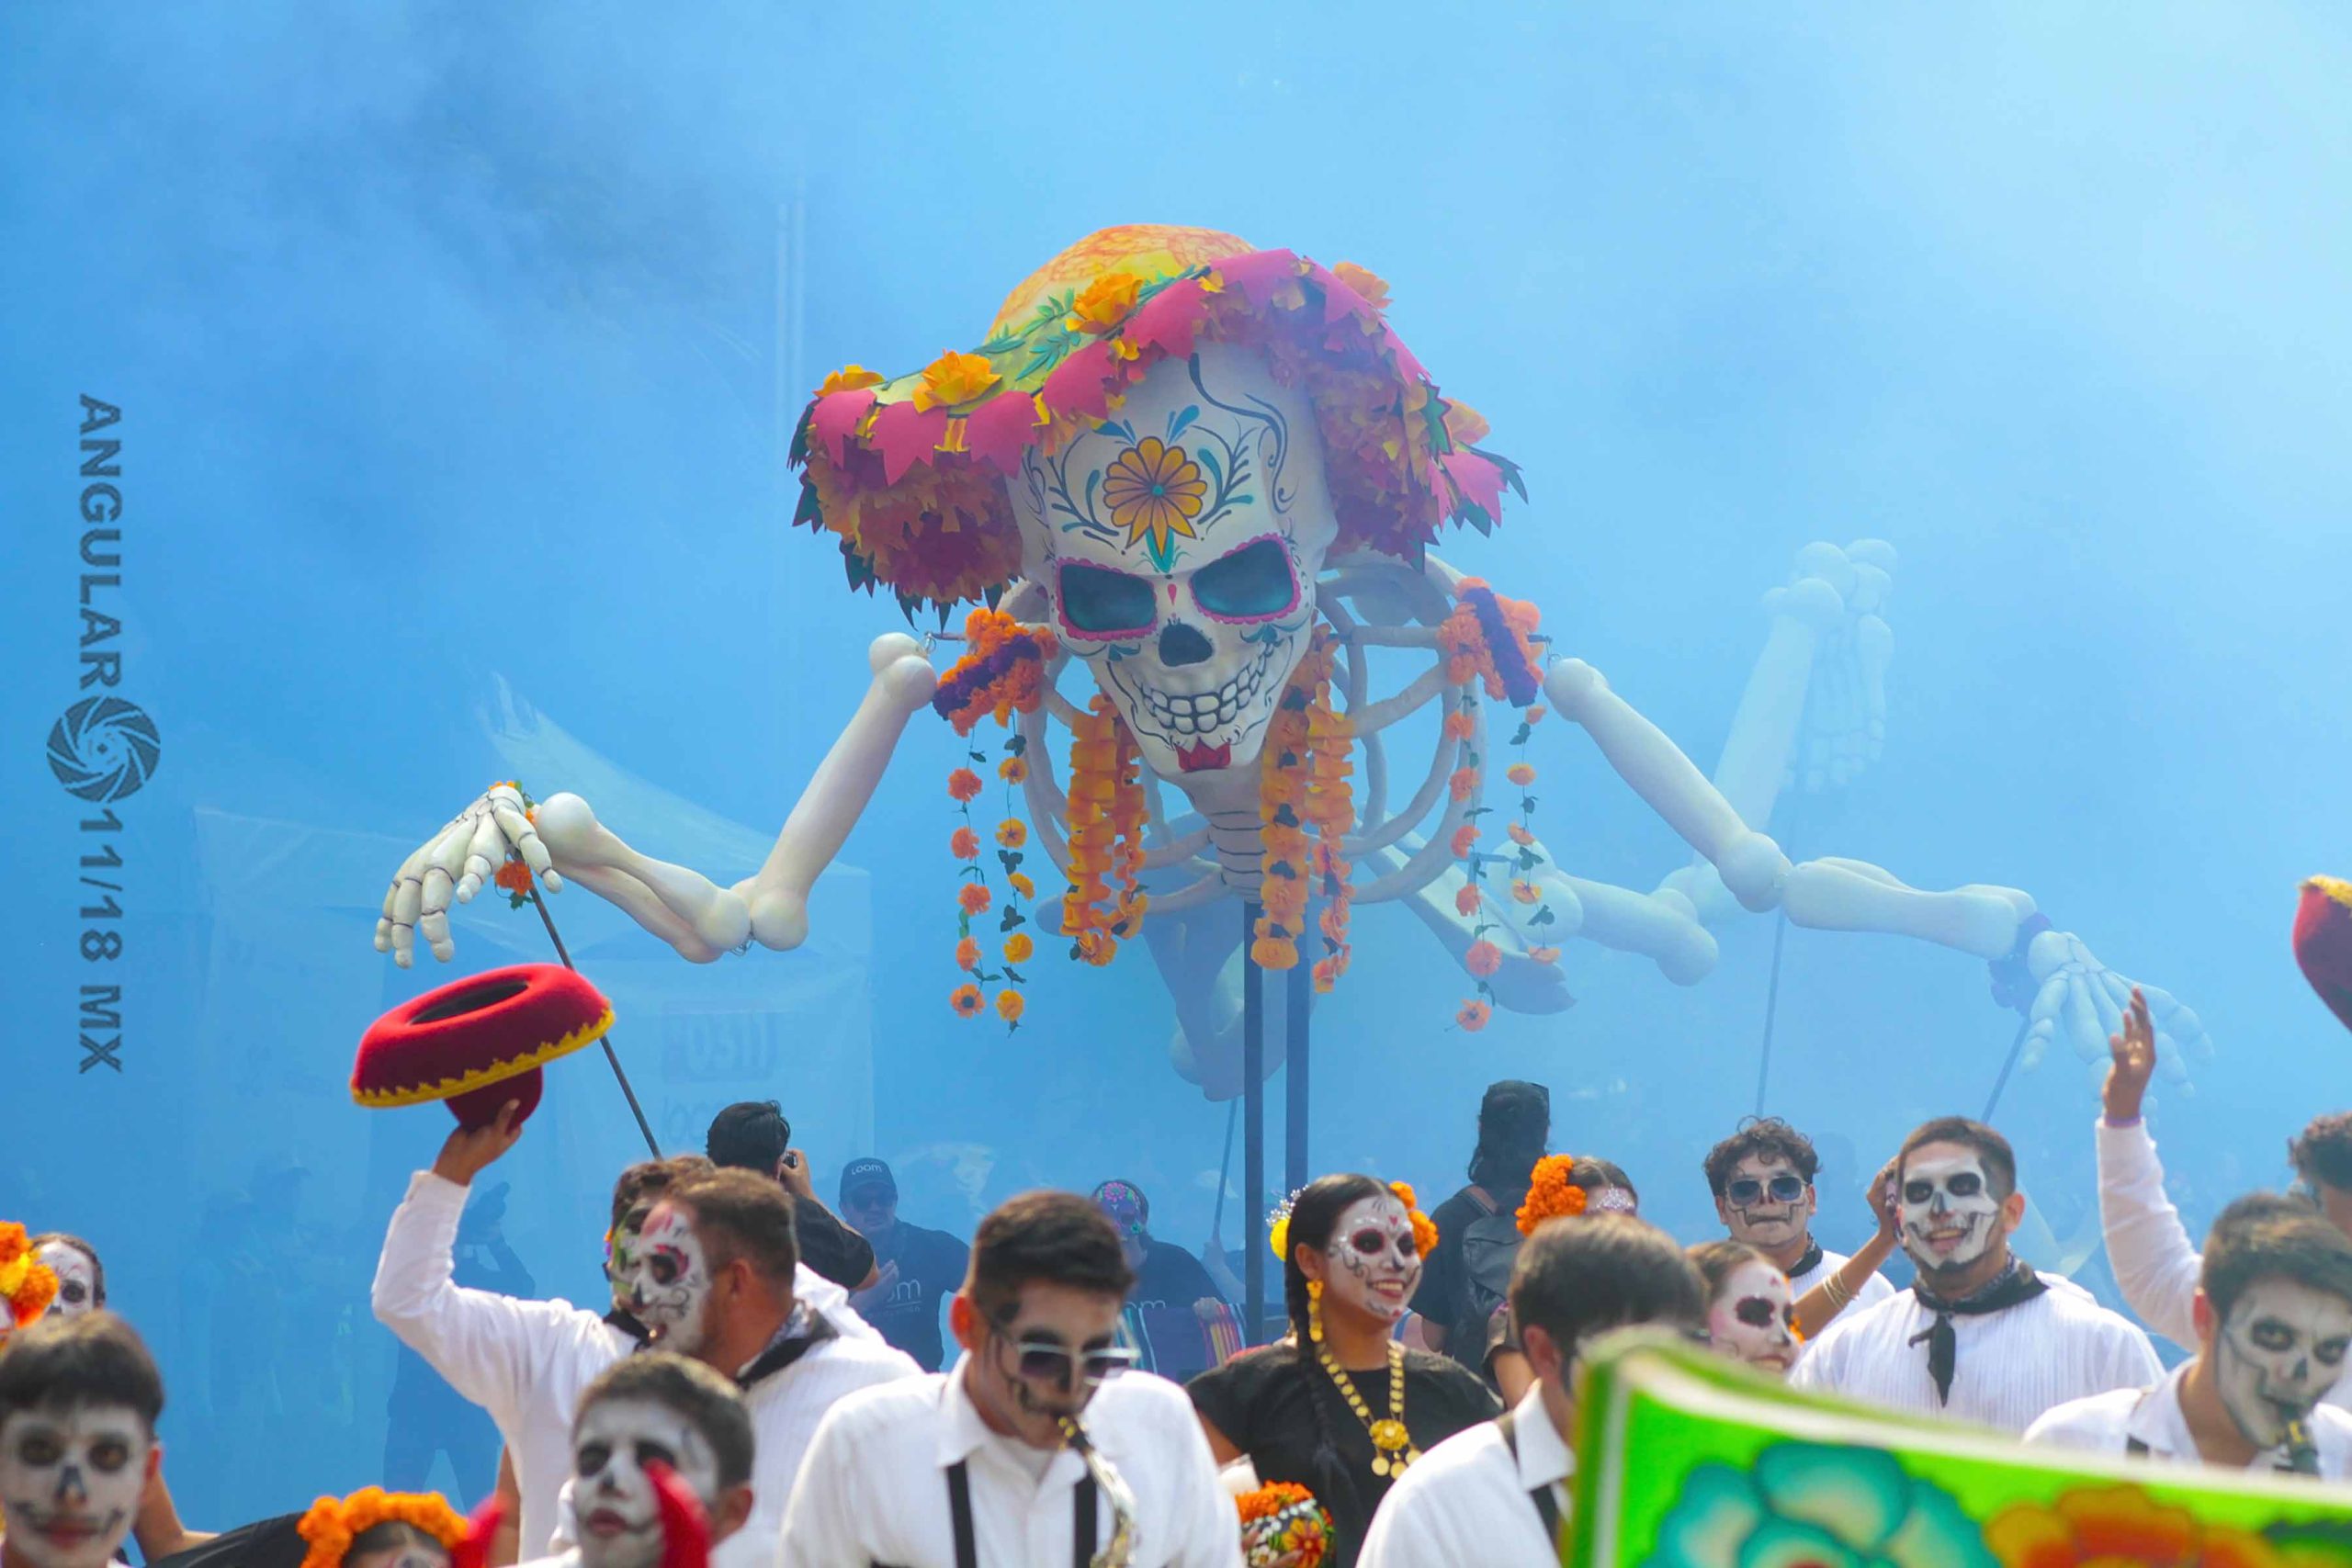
x,y
1949,1211
623,1251
620,1516
1766,1202
1373,1263
70,1481
669,1281
1177,544
1752,1318
2279,1349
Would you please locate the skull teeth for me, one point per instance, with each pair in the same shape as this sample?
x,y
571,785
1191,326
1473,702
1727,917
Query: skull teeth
x,y
1205,713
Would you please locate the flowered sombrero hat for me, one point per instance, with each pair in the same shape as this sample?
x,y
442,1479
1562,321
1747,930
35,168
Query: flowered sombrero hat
x,y
908,473
2323,941
479,1042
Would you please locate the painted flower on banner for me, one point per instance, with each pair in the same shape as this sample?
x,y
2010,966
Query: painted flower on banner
x,y
2119,1526
1806,1506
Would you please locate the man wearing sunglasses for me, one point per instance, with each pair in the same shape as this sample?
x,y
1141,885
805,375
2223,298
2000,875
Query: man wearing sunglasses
x,y
1762,1179
1038,1446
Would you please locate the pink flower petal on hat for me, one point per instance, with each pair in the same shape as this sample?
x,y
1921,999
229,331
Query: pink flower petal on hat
x,y
905,436
998,430
835,419
1076,386
1172,318
1478,481
1259,273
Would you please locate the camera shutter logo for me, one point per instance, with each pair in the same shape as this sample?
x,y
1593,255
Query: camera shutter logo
x,y
104,749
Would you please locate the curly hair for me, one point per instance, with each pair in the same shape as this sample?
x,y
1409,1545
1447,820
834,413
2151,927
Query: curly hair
x,y
2322,1154
1762,1137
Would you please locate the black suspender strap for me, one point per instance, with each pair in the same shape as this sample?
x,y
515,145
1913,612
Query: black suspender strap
x,y
1085,1505
1547,1507
2134,1447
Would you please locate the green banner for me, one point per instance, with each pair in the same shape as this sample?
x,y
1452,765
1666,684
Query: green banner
x,y
1687,1460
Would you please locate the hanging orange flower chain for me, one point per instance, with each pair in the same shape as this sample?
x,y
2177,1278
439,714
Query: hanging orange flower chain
x,y
1105,823
1001,675
1303,783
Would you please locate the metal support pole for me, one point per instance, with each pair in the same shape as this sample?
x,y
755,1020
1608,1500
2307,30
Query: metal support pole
x,y
1253,1131
612,1059
1295,1080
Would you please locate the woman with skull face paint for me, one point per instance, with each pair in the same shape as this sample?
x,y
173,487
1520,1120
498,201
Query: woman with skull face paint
x,y
2274,1322
1751,1317
1339,1407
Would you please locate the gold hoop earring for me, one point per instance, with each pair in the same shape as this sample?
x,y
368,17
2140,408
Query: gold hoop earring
x,y
1315,1311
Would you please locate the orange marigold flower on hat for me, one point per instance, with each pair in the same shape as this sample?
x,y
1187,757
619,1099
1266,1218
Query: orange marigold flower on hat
x,y
963,784
1482,959
1465,425
1463,782
1008,1006
1012,770
965,1001
968,953
1466,839
1544,954
1465,899
1473,1016
973,898
964,844
1526,892
1105,304
1018,947
849,379
1550,1194
1364,281
1022,884
515,876
1011,833
954,379
1519,835
1521,774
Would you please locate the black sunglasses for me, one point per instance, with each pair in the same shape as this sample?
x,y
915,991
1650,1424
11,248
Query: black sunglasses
x,y
1050,1360
1785,1188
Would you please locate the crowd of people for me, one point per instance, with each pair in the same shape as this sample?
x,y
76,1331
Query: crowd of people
x,y
768,1381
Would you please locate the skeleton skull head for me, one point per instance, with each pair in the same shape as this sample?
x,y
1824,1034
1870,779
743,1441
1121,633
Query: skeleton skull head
x,y
1373,1261
1951,1208
615,1442
2279,1349
1177,544
71,1478
1752,1317
78,1290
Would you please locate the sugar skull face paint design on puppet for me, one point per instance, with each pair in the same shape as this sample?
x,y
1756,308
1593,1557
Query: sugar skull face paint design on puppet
x,y
1766,1202
620,1515
1753,1317
77,1278
1374,1264
70,1481
1177,544
1950,1209
2280,1349
670,1281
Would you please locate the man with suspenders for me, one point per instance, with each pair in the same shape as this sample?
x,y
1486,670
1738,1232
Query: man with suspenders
x,y
1493,1494
1038,1448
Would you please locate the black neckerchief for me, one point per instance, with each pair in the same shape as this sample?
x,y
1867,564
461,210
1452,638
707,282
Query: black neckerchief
x,y
1809,1262
794,1340
2014,1283
620,1318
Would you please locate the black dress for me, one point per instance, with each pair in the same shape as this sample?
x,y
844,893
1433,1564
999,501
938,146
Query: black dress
x,y
1266,1402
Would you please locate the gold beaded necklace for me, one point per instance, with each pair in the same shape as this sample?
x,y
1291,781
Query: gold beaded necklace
x,y
1392,1444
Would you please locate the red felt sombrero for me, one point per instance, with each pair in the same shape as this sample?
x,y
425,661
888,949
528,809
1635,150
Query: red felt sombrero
x,y
478,1042
2323,941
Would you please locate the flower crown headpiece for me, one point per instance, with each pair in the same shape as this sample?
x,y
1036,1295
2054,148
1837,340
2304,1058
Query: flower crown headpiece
x,y
334,1523
27,1284
1424,1228
1551,1195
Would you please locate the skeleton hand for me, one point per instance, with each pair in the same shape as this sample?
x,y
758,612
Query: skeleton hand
x,y
1843,594
2081,1000
456,861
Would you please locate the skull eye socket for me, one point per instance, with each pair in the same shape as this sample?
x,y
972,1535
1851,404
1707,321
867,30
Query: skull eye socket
x,y
1755,1310
1966,1184
1918,1191
1252,584
1100,602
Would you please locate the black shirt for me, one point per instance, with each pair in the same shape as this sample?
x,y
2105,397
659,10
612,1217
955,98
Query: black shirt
x,y
1265,1400
1171,1277
931,1268
831,1247
1442,1297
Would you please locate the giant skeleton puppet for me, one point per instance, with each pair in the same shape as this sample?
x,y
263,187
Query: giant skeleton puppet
x,y
1202,469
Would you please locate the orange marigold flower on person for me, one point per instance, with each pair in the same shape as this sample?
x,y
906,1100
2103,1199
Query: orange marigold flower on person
x,y
849,379
1473,1016
1018,947
965,1001
1364,281
1013,770
1008,1006
1463,783
1519,835
1022,884
963,784
973,898
1482,959
1544,954
1521,774
1526,892
1011,833
514,875
1465,899
1104,303
1550,1194
968,953
1466,839
964,844
954,379
1460,726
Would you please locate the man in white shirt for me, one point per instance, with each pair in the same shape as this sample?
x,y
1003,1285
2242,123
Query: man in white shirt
x,y
1978,1336
1030,1453
2274,1319
1495,1494
1762,1179
526,1362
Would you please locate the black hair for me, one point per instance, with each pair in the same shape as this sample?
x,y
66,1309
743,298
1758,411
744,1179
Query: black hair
x,y
1718,1260
1059,1238
98,1265
1514,1123
2000,1160
708,1403
738,1215
2265,1236
2321,1154
95,1358
647,1180
1761,1137
1576,1278
392,1533
751,1134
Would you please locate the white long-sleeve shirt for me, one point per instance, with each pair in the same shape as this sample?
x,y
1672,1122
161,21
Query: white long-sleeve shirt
x,y
874,1488
525,1363
2156,1266
1469,1501
2009,1366
2107,1422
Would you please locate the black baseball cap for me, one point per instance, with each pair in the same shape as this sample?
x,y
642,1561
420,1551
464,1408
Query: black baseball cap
x,y
868,1172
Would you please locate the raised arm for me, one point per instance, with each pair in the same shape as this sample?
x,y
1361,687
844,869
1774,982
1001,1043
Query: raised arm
x,y
2156,1266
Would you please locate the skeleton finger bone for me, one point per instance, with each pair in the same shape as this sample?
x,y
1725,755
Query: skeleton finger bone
x,y
514,825
483,854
